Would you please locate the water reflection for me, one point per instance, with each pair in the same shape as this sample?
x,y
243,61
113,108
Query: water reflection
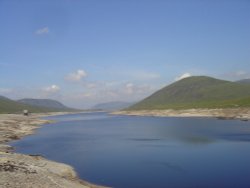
x,y
134,152
204,131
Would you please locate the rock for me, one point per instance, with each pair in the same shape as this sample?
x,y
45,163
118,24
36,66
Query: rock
x,y
6,148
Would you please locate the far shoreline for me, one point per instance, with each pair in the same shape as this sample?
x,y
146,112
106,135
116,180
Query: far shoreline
x,y
219,113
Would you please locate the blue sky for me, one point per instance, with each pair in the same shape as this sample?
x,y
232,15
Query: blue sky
x,y
83,52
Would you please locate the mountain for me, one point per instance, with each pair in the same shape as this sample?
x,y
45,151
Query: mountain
x,y
110,106
32,105
197,92
47,103
11,106
2,98
244,81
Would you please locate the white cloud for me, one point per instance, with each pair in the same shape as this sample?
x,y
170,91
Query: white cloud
x,y
106,92
51,92
129,88
42,31
185,75
52,89
76,76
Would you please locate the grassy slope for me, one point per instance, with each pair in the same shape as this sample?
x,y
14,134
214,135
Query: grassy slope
x,y
10,106
198,92
45,103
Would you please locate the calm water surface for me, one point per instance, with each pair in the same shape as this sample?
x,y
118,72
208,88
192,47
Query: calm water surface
x,y
134,152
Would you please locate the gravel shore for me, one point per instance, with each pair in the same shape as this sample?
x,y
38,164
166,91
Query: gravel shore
x,y
25,171
228,113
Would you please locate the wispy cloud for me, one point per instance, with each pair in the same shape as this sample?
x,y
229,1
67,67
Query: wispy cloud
x,y
237,75
185,75
136,89
106,92
241,73
4,91
52,92
52,89
76,76
42,31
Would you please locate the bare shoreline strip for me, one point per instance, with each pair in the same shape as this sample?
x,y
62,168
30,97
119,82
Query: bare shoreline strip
x,y
228,113
21,171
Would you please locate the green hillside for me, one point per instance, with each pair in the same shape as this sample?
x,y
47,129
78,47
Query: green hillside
x,y
46,103
10,106
198,92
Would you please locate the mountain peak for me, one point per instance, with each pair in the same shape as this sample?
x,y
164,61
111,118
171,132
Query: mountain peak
x,y
197,92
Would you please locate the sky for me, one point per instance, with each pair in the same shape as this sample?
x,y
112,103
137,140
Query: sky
x,y
84,52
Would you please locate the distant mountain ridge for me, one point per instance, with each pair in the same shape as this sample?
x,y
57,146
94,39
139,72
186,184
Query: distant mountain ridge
x,y
197,92
115,105
244,81
10,106
47,103
3,98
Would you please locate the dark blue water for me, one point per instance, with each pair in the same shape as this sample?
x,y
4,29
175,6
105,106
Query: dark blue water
x,y
134,152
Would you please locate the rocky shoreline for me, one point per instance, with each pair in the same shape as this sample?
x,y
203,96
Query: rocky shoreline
x,y
227,113
22,171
